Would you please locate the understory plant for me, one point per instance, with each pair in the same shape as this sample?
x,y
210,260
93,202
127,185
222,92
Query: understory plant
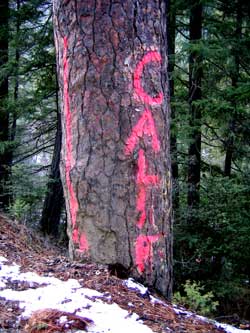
x,y
195,299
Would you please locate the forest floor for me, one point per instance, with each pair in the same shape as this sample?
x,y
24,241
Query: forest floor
x,y
41,290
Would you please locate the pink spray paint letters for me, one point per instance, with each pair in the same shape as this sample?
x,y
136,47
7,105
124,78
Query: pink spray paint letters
x,y
144,250
143,182
73,203
152,56
144,127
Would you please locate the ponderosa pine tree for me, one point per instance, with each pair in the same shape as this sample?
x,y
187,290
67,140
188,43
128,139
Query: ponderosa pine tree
x,y
115,122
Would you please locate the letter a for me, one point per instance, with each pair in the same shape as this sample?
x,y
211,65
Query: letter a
x,y
145,126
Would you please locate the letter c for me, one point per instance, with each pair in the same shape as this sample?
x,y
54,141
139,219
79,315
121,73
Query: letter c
x,y
152,56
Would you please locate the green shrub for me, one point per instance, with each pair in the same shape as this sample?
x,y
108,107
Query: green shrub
x,y
19,209
195,300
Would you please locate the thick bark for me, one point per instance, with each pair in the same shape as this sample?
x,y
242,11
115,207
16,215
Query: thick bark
x,y
54,199
115,156
195,75
4,116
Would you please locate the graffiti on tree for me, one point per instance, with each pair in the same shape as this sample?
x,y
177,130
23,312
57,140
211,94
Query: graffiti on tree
x,y
144,181
144,127
151,56
144,250
81,240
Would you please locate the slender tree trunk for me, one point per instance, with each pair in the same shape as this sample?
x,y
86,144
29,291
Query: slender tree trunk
x,y
171,28
13,115
16,85
4,116
115,156
54,199
229,149
195,75
230,146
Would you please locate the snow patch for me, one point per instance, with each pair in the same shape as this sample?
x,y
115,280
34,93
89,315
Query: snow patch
x,y
2,259
68,296
131,284
231,329
226,327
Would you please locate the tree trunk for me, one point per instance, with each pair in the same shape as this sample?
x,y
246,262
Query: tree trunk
x,y
171,28
16,84
229,144
195,74
54,199
13,114
115,154
4,116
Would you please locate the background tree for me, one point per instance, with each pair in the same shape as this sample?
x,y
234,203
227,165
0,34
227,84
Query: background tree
x,y
4,115
171,36
211,252
195,75
54,199
33,109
